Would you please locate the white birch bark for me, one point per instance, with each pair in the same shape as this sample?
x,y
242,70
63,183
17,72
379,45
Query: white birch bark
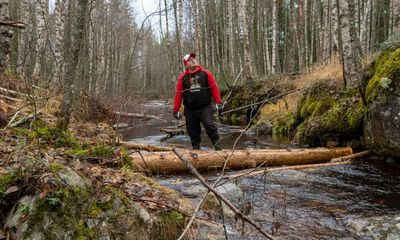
x,y
274,36
350,54
42,7
365,26
247,70
267,58
335,25
59,41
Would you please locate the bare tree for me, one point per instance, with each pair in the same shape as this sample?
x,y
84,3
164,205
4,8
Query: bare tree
x,y
79,23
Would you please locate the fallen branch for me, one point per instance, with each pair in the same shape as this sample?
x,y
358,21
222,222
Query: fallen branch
x,y
9,92
352,156
10,98
219,196
137,115
12,119
262,102
23,120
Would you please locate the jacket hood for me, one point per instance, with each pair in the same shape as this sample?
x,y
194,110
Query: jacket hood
x,y
198,68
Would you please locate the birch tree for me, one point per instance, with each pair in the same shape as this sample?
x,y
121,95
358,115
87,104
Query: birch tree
x,y
5,35
42,7
350,43
79,23
248,71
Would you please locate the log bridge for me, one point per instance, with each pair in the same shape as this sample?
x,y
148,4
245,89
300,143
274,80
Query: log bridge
x,y
168,162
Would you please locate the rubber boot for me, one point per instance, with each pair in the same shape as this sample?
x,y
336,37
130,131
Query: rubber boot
x,y
217,145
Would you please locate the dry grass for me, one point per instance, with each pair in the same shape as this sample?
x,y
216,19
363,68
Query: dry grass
x,y
321,72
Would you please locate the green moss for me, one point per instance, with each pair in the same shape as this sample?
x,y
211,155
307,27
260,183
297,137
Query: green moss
x,y
21,132
312,106
387,66
56,167
284,126
7,180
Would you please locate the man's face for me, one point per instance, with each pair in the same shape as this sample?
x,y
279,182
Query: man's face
x,y
191,63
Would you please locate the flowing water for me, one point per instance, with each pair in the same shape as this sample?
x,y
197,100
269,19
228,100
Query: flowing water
x,y
360,200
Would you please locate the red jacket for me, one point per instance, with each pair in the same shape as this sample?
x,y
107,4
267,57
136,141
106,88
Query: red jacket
x,y
180,88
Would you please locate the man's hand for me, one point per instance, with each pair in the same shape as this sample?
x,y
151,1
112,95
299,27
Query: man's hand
x,y
177,115
219,107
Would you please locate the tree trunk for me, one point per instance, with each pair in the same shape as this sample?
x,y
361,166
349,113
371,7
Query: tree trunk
x,y
5,35
167,162
275,37
351,58
396,16
248,70
42,7
59,41
77,44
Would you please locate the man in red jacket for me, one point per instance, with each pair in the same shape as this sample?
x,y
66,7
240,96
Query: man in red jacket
x,y
196,86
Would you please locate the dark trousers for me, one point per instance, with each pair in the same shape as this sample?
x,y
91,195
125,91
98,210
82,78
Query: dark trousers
x,y
204,116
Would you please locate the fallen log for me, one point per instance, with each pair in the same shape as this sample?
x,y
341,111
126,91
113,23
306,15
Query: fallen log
x,y
168,162
143,147
172,131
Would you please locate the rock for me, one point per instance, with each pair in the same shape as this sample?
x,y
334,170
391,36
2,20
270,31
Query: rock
x,y
120,125
72,179
382,121
231,192
261,128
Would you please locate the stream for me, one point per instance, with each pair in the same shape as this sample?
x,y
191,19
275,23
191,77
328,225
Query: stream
x,y
360,200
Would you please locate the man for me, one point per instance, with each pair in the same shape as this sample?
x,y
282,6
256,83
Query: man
x,y
196,86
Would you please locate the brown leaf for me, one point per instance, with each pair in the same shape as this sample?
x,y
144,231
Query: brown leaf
x,y
11,189
45,191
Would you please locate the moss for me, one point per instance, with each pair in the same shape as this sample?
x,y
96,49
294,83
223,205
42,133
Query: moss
x,y
7,180
284,126
387,66
313,106
56,167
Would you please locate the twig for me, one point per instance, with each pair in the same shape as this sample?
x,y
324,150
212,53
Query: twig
x,y
222,198
262,102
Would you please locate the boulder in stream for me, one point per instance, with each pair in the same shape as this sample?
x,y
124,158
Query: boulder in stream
x,y
231,192
382,121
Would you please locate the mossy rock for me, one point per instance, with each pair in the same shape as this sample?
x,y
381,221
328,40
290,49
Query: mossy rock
x,y
67,206
382,121
325,113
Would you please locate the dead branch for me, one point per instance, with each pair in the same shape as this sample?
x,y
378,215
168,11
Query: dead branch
x,y
20,25
137,115
23,120
352,156
219,196
12,119
10,98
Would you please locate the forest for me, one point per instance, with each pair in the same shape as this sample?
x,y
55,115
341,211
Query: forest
x,y
305,103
